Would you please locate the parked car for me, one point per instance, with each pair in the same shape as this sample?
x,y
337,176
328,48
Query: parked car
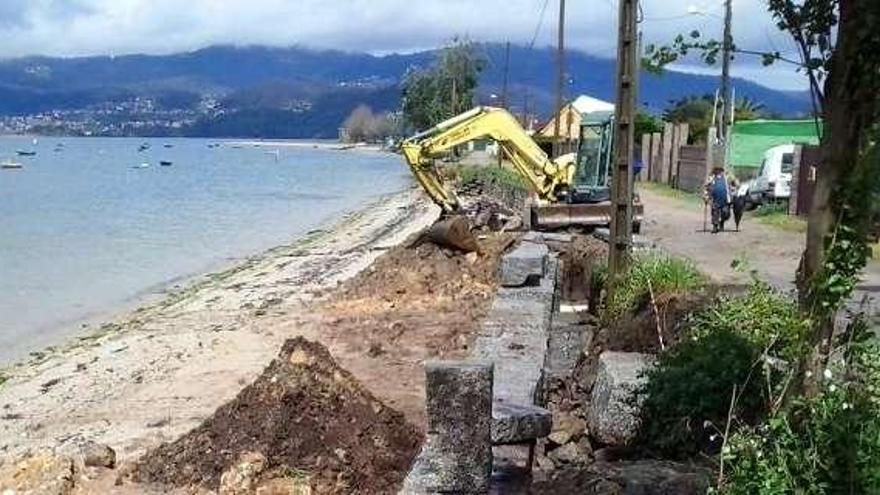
x,y
773,182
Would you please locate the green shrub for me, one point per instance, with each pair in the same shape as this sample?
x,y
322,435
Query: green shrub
x,y
731,343
826,444
502,177
663,275
688,394
763,316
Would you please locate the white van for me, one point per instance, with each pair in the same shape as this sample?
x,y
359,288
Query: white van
x,y
774,179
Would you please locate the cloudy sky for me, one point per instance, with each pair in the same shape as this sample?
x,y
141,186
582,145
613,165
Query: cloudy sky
x,y
87,27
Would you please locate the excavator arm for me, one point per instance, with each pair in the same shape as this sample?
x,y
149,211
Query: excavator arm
x,y
546,177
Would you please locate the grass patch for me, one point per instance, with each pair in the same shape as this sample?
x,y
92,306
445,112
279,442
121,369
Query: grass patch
x,y
662,275
694,200
3,379
784,221
776,215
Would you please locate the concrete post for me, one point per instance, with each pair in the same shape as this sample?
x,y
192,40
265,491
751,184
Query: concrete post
x,y
459,407
656,164
666,154
646,157
674,155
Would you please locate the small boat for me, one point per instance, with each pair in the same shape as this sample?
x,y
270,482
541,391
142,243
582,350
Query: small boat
x,y
168,145
144,147
10,165
165,163
142,165
26,153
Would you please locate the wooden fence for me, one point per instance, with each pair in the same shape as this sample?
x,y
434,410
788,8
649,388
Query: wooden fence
x,y
668,159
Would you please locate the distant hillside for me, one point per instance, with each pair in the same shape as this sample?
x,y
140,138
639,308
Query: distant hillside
x,y
297,92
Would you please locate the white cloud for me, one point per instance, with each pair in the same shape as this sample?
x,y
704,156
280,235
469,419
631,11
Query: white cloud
x,y
85,27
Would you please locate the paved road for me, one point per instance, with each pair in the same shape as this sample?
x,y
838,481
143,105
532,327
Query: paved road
x,y
677,227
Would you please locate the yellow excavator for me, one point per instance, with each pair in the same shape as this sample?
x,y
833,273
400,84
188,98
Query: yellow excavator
x,y
572,190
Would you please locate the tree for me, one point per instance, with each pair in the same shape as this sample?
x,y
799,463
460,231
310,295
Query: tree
x,y
360,125
646,124
697,112
443,90
839,51
748,109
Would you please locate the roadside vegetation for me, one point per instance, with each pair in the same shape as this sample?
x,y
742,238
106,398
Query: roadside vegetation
x,y
652,278
776,215
489,181
502,177
727,392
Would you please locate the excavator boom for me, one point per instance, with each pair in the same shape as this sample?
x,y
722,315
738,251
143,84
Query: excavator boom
x,y
546,177
567,196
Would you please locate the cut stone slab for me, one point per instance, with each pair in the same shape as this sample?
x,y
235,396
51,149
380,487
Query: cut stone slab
x,y
515,423
614,411
457,456
645,477
525,265
567,342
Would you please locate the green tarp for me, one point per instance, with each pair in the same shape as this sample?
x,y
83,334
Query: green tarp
x,y
751,138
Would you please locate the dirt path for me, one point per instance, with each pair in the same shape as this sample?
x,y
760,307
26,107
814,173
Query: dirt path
x,y
159,371
677,227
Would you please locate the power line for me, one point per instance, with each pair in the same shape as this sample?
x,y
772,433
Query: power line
x,y
540,23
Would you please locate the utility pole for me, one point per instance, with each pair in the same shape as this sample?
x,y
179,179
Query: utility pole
x,y
727,49
506,75
560,76
500,152
622,179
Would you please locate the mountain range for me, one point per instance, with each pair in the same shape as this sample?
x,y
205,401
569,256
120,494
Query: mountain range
x,y
302,92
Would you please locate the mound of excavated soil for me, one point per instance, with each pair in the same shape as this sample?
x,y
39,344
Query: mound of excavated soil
x,y
422,296
305,415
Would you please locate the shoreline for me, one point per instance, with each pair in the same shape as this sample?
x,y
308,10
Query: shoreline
x,y
151,373
69,331
60,334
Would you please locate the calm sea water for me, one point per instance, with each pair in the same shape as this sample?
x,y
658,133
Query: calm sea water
x,y
82,231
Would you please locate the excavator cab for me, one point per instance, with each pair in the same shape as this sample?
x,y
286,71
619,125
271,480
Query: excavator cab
x,y
588,204
593,162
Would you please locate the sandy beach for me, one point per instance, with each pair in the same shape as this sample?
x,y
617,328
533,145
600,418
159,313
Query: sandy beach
x,y
153,373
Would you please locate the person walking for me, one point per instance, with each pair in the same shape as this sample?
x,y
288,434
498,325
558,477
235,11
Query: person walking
x,y
718,194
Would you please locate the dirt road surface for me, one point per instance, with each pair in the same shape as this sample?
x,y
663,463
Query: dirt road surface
x,y
676,226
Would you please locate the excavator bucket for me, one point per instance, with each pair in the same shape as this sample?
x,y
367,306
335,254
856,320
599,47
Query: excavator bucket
x,y
454,232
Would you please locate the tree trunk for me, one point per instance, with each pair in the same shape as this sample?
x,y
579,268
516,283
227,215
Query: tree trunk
x,y
847,113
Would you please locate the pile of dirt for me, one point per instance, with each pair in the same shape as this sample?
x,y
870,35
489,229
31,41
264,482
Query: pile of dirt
x,y
303,415
427,293
639,330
